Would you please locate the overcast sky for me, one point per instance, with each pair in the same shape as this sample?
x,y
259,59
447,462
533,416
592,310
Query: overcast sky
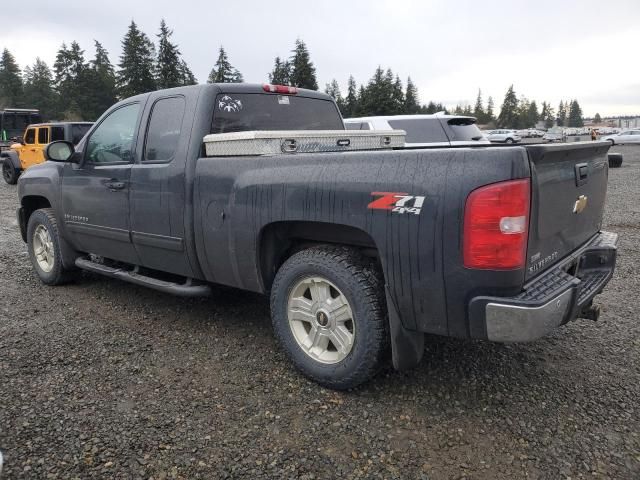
x,y
549,50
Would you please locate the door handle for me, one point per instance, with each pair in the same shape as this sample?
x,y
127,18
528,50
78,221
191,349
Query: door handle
x,y
114,185
33,149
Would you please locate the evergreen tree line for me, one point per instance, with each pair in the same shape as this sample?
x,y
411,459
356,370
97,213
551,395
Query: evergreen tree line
x,y
384,94
80,89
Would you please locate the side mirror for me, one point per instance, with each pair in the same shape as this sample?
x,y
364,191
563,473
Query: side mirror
x,y
59,151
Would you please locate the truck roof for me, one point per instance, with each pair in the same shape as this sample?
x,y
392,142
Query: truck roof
x,y
237,88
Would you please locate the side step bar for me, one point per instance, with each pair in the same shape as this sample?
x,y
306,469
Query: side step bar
x,y
187,289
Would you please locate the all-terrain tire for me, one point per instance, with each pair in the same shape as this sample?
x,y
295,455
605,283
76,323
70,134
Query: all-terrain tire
x,y
46,219
9,172
361,283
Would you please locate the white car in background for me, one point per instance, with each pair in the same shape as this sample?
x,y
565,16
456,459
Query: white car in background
x,y
437,130
503,136
625,136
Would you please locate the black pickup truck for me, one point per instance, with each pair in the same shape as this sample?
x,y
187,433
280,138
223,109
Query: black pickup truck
x,y
362,252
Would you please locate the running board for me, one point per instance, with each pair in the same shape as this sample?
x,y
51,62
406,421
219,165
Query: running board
x,y
187,289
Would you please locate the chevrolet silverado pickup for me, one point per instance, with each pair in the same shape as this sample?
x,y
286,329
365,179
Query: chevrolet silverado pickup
x,y
363,248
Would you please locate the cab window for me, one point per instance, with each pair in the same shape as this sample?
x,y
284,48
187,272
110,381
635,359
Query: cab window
x,y
57,133
113,140
30,136
164,129
43,135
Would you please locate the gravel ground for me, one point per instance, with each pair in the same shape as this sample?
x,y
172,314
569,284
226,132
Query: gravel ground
x,y
102,379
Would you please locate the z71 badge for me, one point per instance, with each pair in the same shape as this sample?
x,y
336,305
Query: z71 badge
x,y
397,202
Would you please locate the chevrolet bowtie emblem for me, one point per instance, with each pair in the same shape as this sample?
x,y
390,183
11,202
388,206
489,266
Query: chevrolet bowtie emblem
x,y
581,204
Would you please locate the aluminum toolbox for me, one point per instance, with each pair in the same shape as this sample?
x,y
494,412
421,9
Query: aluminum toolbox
x,y
300,141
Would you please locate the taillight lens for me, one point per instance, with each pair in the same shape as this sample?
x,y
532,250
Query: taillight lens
x,y
282,89
496,226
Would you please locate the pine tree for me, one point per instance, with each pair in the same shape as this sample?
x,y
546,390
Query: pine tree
x,y
303,73
562,114
547,115
575,114
223,71
72,83
187,76
508,117
597,119
38,89
11,88
490,115
99,83
333,89
168,65
351,102
532,114
136,63
397,96
478,110
431,108
362,102
281,73
411,102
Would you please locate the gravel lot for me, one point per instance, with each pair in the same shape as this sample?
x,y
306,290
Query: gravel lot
x,y
102,379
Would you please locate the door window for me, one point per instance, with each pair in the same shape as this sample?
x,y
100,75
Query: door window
x,y
113,140
30,136
57,133
164,129
43,135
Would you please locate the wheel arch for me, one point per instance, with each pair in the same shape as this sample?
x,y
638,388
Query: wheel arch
x,y
277,241
13,156
29,204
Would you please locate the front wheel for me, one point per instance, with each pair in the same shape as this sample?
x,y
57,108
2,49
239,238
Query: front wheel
x,y
44,244
329,315
611,141
509,140
9,172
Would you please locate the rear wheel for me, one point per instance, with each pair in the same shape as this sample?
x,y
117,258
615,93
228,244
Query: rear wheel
x,y
612,141
615,160
509,140
9,172
329,315
44,244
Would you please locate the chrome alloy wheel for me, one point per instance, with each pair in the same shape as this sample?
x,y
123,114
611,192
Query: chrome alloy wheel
x,y
321,320
43,248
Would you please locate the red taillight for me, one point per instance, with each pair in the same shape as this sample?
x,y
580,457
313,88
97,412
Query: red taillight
x,y
496,225
283,89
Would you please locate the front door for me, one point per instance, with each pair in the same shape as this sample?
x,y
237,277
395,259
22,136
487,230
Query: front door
x,y
95,192
28,150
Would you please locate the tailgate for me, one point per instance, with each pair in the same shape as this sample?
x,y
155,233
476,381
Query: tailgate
x,y
569,186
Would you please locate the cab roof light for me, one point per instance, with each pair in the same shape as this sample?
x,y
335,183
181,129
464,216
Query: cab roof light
x,y
281,89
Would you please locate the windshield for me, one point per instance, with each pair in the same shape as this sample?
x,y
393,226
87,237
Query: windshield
x,y
244,112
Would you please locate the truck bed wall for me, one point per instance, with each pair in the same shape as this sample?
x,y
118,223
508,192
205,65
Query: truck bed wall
x,y
235,199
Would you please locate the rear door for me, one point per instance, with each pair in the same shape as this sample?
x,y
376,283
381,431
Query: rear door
x,y
569,186
158,186
95,193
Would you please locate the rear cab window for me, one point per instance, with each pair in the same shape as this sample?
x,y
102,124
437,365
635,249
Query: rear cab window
x,y
463,129
421,130
57,133
242,112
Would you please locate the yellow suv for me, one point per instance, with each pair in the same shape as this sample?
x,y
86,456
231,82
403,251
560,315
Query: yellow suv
x,y
30,151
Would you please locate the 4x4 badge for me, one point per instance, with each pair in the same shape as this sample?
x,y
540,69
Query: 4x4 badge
x,y
397,202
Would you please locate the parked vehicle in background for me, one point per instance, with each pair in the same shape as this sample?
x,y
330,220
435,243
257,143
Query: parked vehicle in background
x,y
503,136
359,250
30,151
625,136
13,123
553,135
437,130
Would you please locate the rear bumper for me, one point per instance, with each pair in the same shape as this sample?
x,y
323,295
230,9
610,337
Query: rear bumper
x,y
556,297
